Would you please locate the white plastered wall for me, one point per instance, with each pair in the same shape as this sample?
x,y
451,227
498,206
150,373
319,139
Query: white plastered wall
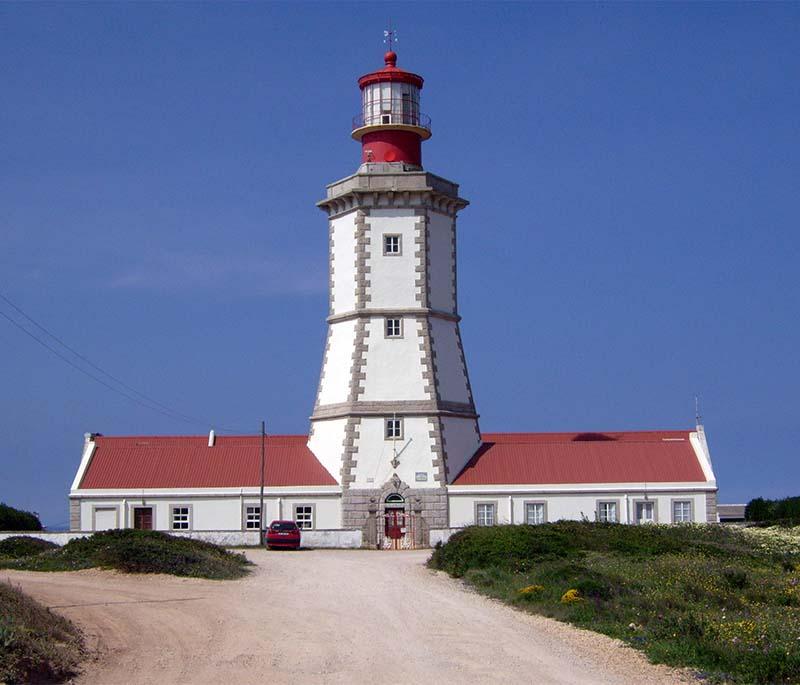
x,y
461,442
440,255
343,287
449,369
414,452
392,278
326,443
394,365
335,383
570,506
212,513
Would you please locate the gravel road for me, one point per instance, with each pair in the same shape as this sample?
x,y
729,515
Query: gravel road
x,y
326,616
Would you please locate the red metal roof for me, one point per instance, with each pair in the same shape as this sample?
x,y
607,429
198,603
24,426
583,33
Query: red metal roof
x,y
188,462
553,458
391,72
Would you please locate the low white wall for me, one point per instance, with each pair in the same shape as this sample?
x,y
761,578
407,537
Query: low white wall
x,y
349,539
317,539
61,538
442,535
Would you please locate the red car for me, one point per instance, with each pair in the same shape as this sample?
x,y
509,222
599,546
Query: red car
x,y
284,534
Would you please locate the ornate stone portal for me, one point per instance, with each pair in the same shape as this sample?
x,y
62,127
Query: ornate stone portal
x,y
394,414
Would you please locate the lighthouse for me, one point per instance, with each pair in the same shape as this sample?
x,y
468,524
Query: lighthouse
x,y
394,420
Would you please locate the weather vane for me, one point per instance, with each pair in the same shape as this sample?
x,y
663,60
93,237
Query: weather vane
x,y
390,36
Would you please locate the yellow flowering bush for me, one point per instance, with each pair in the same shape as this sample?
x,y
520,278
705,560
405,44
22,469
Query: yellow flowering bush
x,y
571,596
531,590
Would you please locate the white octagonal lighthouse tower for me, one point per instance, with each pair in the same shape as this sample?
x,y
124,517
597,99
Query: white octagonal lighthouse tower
x,y
394,420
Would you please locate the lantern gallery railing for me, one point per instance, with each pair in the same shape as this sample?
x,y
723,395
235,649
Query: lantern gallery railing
x,y
393,112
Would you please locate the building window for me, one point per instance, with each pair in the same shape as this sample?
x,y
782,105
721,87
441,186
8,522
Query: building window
x,y
645,512
394,429
682,512
180,518
392,245
534,513
484,513
252,518
304,516
607,512
394,328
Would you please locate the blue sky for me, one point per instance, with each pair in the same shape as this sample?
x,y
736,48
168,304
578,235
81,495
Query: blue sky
x,y
632,240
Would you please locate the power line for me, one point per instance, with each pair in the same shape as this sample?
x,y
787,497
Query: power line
x,y
145,400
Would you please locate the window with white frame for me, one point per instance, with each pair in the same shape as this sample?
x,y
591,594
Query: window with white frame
x,y
180,518
607,512
252,518
645,512
394,429
394,328
391,244
534,513
304,516
682,512
484,513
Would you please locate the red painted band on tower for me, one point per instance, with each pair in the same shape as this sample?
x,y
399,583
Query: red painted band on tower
x,y
391,146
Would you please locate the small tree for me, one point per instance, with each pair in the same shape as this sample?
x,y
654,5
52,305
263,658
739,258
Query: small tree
x,y
16,519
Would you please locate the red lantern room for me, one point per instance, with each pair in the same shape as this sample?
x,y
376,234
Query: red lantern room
x,y
390,126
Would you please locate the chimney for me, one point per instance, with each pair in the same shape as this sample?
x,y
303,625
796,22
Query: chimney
x,y
212,437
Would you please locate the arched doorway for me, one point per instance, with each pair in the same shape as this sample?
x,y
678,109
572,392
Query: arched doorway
x,y
394,516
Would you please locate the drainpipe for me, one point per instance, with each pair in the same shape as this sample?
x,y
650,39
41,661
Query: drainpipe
x,y
511,508
627,509
124,513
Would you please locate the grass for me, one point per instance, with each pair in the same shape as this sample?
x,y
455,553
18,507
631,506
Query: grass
x,y
35,645
136,551
724,601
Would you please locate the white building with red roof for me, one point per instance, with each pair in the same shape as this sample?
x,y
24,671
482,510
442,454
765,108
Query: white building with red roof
x,y
395,456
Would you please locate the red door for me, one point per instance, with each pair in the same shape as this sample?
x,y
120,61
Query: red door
x,y
143,518
395,522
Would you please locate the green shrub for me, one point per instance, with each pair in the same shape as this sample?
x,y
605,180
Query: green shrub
x,y
139,551
23,546
762,510
18,520
35,644
719,599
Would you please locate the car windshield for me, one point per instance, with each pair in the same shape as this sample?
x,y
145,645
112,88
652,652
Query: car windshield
x,y
284,525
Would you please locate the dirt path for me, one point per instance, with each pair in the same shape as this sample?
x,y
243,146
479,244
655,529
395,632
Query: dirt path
x,y
322,617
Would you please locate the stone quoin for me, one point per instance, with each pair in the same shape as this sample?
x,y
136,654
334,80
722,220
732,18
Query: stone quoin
x,y
395,457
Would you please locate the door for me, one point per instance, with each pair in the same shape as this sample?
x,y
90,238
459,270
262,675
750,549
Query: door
x,y
105,518
143,518
395,524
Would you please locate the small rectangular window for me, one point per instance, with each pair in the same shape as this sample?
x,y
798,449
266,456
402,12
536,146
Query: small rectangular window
x,y
180,518
484,513
681,512
392,245
394,429
645,512
394,328
304,516
607,512
252,518
534,513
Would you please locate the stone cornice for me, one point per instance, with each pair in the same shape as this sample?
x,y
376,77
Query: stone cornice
x,y
410,311
399,407
394,189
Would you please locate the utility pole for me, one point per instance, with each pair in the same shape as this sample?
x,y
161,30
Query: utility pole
x,y
261,505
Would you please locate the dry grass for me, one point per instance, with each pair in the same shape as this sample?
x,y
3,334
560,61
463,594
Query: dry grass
x,y
36,645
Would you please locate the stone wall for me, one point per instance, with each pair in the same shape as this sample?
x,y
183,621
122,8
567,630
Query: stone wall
x,y
363,510
711,507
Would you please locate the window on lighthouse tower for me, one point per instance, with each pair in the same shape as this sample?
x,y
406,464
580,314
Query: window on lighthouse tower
x,y
394,328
